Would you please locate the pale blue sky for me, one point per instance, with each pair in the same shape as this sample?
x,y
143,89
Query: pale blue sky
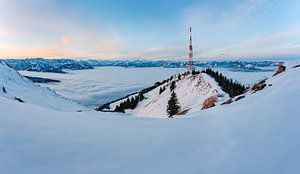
x,y
144,29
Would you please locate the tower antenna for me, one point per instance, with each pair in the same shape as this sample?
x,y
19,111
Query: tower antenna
x,y
191,54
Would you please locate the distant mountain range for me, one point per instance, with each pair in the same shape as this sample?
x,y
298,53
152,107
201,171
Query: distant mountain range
x,y
59,65
47,65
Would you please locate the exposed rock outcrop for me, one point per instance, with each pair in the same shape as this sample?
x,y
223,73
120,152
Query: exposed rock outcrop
x,y
259,86
280,69
210,102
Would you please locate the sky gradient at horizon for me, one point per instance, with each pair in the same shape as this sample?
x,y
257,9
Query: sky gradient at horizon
x,y
143,29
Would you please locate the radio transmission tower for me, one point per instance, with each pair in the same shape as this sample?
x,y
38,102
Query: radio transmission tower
x,y
191,55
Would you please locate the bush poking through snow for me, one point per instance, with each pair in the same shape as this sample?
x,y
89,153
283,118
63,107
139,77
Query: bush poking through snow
x,y
19,100
4,90
296,66
173,105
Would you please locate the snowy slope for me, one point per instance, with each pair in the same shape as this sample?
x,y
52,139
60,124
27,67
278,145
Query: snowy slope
x,y
191,91
16,86
259,134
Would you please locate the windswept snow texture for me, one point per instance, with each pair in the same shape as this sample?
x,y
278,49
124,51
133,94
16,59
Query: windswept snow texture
x,y
13,85
258,134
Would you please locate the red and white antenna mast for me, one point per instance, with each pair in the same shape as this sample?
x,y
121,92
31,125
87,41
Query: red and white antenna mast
x,y
191,55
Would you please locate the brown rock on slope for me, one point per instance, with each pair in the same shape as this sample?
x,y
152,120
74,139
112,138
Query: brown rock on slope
x,y
280,69
210,102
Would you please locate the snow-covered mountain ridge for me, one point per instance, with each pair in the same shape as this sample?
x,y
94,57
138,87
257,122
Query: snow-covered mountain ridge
x,y
59,65
191,89
47,65
16,87
195,92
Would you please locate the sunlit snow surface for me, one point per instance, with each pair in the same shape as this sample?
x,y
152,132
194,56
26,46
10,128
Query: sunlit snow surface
x,y
97,86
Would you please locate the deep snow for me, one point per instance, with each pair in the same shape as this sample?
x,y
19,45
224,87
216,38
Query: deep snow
x,y
16,86
259,134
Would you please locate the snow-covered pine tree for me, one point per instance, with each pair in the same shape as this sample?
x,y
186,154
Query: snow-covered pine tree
x,y
173,105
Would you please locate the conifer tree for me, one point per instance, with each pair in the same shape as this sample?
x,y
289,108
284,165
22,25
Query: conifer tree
x,y
132,103
173,85
127,104
233,88
160,90
119,109
179,76
171,78
173,105
136,101
141,96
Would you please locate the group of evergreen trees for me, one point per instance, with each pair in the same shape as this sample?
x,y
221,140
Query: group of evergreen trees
x,y
186,73
132,103
172,86
194,72
170,79
233,88
129,103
